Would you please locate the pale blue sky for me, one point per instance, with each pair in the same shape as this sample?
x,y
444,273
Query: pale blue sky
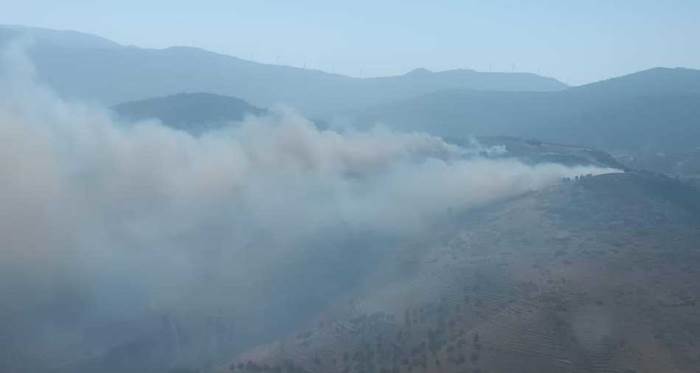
x,y
575,41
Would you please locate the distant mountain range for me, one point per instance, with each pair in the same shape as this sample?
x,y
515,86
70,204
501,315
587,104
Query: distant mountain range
x,y
651,111
111,74
648,118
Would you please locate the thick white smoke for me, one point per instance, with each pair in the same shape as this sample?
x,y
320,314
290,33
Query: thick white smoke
x,y
104,222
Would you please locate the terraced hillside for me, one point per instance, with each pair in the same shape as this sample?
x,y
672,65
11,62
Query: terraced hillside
x,y
599,274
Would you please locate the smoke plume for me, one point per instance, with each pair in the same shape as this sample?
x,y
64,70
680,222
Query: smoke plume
x,y
112,233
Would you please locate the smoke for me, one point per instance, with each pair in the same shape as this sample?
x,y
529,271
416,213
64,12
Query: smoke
x,y
230,237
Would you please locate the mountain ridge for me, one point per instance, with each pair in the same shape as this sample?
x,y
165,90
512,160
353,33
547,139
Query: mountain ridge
x,y
119,74
638,111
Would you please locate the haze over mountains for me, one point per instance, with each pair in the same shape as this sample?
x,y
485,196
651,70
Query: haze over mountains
x,y
638,116
179,210
653,110
133,73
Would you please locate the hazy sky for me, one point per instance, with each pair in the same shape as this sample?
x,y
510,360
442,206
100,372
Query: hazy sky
x,y
575,41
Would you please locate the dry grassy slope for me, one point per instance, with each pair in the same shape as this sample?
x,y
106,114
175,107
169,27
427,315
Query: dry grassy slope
x,y
599,275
